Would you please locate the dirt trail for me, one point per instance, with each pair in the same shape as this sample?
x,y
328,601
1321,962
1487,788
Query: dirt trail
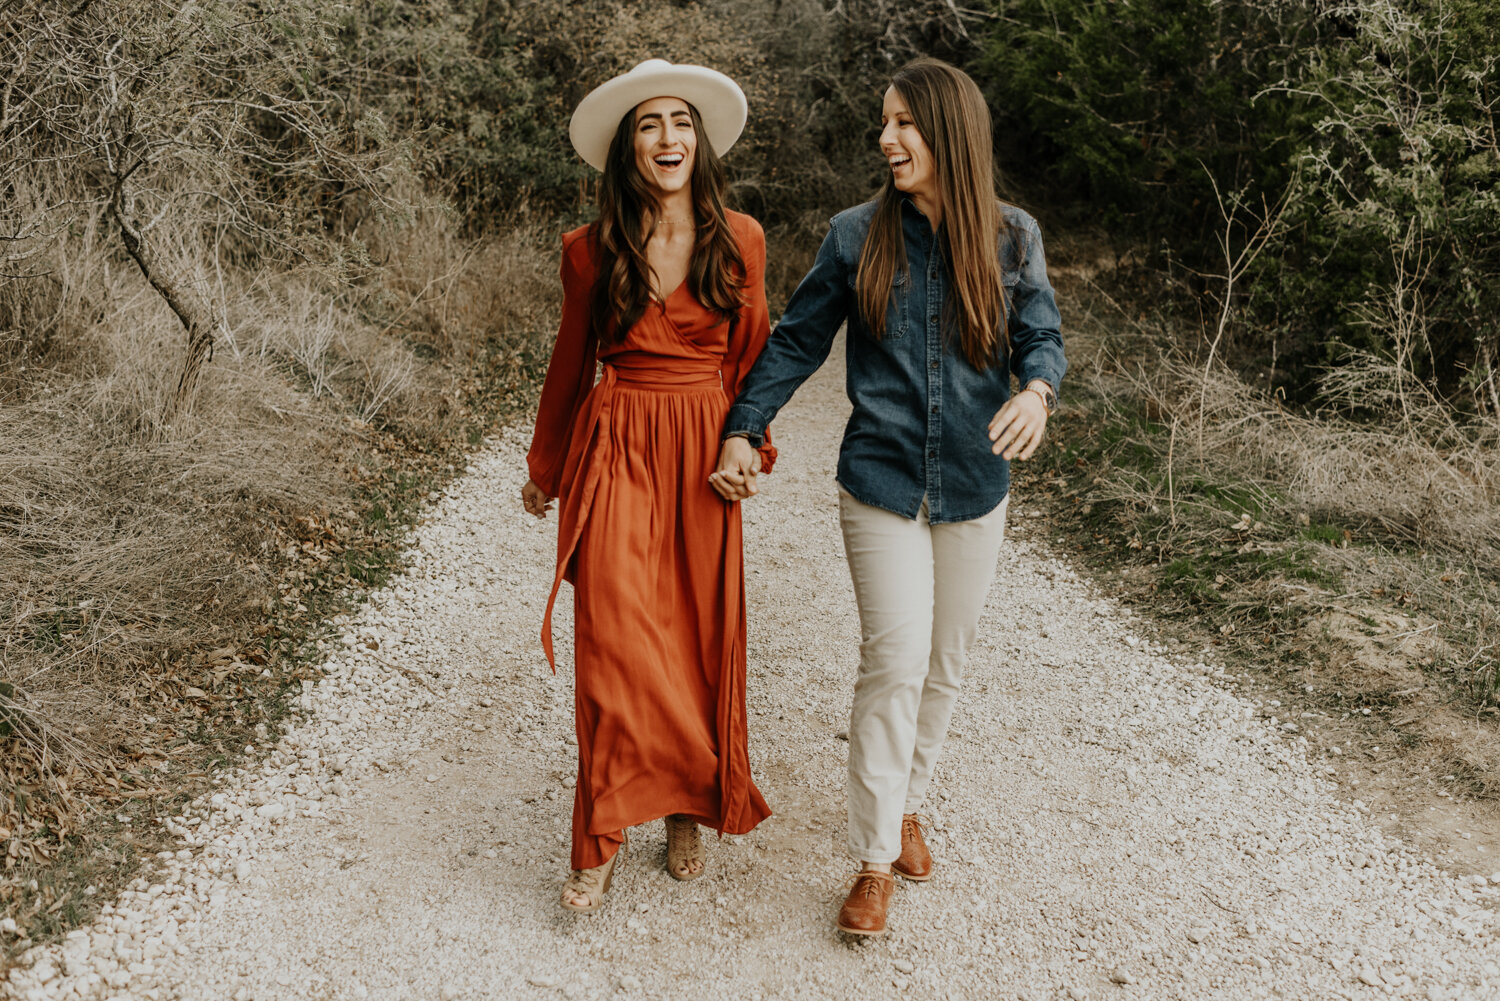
x,y
1108,821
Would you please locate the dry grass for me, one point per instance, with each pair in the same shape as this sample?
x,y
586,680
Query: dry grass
x,y
1380,455
150,572
1347,553
124,542
486,306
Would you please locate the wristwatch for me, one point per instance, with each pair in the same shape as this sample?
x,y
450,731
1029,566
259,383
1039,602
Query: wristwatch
x,y
1044,392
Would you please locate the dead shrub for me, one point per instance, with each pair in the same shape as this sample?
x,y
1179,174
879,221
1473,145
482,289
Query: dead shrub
x,y
1380,452
451,293
129,545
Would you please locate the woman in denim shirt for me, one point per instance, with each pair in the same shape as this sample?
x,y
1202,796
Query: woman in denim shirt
x,y
945,293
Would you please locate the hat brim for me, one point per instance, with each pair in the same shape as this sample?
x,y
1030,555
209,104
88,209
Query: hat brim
x,y
720,103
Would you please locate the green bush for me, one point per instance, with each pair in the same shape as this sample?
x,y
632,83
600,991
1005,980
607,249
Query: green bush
x,y
1392,247
1124,111
1375,122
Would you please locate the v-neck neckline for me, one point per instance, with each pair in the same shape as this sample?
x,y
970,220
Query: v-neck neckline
x,y
663,300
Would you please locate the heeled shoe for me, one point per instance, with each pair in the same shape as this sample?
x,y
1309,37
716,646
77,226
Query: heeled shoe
x,y
684,847
590,884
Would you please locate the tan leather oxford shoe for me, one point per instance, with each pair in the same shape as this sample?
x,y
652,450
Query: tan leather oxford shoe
x,y
864,909
915,862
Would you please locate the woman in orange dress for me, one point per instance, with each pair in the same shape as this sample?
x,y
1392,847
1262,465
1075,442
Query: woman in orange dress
x,y
667,290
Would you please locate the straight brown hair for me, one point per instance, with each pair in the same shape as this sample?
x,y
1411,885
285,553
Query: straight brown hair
x,y
627,218
950,114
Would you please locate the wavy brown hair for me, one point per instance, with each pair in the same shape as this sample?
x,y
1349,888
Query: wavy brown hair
x,y
953,119
627,218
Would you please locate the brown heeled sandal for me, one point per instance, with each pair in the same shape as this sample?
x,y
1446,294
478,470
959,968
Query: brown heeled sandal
x,y
684,847
591,884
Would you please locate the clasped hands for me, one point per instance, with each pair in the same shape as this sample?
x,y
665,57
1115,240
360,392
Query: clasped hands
x,y
734,480
739,465
1015,430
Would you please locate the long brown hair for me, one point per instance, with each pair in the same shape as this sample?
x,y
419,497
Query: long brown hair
x,y
628,214
952,118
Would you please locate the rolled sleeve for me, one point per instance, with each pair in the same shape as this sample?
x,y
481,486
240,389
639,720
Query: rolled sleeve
x,y
745,420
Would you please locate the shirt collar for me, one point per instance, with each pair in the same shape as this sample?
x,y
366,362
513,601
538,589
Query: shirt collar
x,y
909,211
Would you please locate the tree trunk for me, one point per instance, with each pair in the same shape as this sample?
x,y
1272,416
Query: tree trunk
x,y
199,328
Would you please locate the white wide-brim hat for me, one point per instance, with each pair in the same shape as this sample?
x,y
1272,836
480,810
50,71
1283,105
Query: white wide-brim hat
x,y
719,100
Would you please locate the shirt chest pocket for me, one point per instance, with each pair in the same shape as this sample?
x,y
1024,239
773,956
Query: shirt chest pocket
x,y
898,307
898,312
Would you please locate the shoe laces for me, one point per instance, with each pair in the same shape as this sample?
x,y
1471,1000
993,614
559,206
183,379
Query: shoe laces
x,y
869,883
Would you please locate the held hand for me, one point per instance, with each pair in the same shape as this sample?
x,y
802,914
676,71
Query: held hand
x,y
739,463
535,499
1017,428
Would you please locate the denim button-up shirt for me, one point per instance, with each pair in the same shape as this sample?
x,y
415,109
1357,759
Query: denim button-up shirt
x,y
920,424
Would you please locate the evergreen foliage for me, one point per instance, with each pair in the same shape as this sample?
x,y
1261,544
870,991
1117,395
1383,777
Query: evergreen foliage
x,y
1393,248
1373,122
1125,111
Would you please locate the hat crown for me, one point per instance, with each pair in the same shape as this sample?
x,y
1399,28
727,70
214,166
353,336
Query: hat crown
x,y
650,66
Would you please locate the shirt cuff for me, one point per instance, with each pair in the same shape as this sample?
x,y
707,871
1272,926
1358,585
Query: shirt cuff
x,y
1050,376
745,421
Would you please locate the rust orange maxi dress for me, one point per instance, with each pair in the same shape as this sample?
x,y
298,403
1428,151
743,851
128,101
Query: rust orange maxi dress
x,y
653,553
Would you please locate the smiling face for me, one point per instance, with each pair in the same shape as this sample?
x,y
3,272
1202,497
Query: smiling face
x,y
905,150
665,143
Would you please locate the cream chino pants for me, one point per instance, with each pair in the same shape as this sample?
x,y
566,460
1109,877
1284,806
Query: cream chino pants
x,y
920,589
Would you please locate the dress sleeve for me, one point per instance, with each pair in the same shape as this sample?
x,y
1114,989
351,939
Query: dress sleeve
x,y
570,374
752,327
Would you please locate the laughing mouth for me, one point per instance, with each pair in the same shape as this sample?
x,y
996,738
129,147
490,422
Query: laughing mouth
x,y
669,160
897,162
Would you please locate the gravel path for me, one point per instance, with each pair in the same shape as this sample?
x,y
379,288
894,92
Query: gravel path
x,y
1108,821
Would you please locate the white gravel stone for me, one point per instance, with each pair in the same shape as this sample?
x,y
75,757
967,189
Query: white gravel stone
x,y
1098,802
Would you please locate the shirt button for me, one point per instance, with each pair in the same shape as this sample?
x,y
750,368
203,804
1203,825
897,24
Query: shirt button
x,y
932,453
934,365
934,408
